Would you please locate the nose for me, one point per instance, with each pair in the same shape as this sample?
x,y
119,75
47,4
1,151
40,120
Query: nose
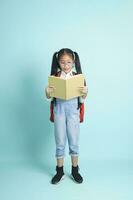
x,y
65,64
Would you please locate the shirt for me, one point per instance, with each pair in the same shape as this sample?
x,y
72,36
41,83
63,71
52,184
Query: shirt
x,y
66,75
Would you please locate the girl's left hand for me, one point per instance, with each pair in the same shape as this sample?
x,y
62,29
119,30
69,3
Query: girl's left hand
x,y
84,91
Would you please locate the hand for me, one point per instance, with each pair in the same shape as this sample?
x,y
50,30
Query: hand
x,y
84,91
49,90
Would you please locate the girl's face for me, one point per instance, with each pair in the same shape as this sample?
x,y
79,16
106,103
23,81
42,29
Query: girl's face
x,y
66,63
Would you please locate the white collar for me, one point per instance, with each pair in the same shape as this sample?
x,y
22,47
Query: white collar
x,y
66,75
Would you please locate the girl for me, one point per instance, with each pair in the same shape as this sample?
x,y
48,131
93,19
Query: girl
x,y
66,114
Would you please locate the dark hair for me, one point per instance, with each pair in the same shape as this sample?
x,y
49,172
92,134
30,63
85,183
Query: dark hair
x,y
57,56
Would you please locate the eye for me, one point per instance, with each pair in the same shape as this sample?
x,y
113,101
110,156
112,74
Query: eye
x,y
62,62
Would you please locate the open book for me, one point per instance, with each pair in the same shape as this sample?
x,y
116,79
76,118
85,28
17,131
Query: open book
x,y
66,88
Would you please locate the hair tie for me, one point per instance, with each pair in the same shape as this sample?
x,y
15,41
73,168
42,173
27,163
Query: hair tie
x,y
73,55
57,55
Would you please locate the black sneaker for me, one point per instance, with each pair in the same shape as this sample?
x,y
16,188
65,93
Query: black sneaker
x,y
58,176
75,175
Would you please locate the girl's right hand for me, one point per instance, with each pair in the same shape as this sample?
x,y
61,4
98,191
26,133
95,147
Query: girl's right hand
x,y
49,90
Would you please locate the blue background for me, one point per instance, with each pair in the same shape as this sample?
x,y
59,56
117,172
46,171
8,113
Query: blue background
x,y
101,32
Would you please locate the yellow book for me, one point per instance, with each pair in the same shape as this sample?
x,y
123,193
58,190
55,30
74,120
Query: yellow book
x,y
66,88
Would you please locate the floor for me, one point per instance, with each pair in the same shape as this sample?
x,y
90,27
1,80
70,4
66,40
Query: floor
x,y
103,180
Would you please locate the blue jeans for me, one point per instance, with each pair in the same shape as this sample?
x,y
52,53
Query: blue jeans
x,y
66,126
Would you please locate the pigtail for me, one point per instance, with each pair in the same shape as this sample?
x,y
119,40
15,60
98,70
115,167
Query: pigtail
x,y
77,63
55,64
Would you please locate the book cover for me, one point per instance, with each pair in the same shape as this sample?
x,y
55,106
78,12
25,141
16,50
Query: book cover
x,y
66,88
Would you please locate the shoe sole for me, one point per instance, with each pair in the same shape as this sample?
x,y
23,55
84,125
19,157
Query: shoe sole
x,y
71,176
63,177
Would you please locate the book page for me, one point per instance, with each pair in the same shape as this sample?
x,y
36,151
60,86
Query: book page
x,y
60,87
66,88
72,86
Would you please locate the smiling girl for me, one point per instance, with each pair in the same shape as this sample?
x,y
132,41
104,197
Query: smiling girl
x,y
66,114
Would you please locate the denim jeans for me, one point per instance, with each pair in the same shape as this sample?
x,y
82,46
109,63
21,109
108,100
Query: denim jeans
x,y
66,126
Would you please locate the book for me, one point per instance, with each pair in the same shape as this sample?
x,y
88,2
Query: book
x,y
66,88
